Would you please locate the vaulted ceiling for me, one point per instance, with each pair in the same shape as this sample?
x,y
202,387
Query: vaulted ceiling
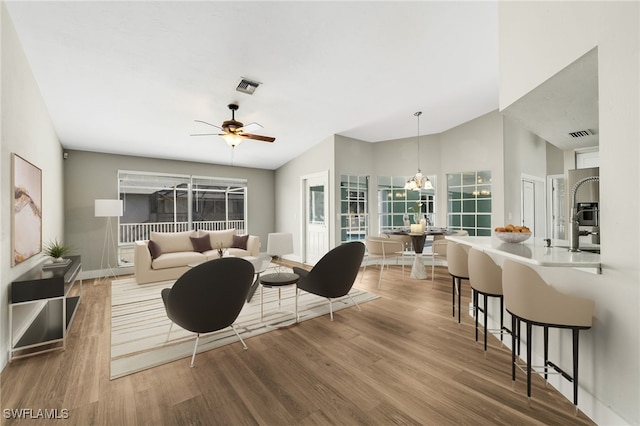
x,y
132,77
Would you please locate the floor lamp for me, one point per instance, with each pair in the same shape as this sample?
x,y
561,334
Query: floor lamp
x,y
108,209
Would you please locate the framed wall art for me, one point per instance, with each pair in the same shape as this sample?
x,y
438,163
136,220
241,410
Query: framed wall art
x,y
26,212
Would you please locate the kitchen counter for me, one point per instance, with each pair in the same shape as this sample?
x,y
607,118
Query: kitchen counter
x,y
533,253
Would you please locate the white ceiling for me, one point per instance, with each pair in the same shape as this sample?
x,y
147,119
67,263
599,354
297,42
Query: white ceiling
x,y
131,77
565,103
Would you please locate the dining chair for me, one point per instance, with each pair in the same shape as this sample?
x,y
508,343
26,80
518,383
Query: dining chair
x,y
384,248
406,241
438,252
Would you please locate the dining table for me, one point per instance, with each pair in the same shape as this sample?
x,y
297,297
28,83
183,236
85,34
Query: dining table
x,y
418,239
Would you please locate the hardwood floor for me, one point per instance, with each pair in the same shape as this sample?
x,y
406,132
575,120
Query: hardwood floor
x,y
402,360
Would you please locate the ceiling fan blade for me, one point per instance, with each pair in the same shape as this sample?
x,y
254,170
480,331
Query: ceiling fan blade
x,y
251,127
258,137
204,122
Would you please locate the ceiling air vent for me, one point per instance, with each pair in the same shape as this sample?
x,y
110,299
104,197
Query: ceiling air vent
x,y
581,133
247,86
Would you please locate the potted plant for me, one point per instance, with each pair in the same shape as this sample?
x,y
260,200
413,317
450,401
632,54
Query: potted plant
x,y
221,250
56,250
417,211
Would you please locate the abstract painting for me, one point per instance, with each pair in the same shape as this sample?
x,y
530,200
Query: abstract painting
x,y
27,210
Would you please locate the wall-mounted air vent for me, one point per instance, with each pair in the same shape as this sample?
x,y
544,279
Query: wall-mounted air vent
x,y
247,86
581,133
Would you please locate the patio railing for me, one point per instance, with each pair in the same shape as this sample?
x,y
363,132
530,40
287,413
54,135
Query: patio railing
x,y
131,232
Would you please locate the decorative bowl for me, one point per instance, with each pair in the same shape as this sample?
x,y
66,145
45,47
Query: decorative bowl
x,y
513,237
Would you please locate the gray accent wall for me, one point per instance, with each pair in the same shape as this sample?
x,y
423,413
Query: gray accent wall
x,y
89,176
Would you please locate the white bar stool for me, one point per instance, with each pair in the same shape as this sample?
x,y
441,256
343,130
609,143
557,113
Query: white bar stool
x,y
530,299
458,265
485,278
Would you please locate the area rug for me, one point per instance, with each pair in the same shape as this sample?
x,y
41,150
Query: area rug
x,y
139,323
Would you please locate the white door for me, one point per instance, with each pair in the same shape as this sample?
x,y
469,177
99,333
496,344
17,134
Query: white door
x,y
556,202
533,214
316,212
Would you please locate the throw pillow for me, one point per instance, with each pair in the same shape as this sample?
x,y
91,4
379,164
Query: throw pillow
x,y
240,241
154,249
222,238
172,242
201,244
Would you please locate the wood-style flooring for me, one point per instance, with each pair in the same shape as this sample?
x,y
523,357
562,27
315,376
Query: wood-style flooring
x,y
402,360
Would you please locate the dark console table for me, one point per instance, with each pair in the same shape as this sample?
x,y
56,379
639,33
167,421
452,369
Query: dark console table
x,y
44,298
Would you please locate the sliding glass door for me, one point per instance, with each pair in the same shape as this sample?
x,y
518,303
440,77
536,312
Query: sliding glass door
x,y
174,203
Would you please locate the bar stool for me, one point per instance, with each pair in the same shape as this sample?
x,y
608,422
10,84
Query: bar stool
x,y
485,278
528,298
458,265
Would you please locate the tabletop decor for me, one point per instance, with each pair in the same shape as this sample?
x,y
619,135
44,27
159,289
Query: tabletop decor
x,y
56,250
417,210
220,250
513,233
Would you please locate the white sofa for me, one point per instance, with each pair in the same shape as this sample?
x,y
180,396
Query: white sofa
x,y
166,255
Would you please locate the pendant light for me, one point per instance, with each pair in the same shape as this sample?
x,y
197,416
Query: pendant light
x,y
418,182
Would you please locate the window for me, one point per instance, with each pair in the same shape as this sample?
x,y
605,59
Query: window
x,y
469,202
398,207
173,203
354,208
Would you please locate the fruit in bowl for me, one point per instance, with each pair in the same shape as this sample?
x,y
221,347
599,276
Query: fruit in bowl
x,y
513,233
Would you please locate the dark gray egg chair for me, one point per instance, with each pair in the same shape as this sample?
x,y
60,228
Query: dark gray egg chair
x,y
209,297
334,274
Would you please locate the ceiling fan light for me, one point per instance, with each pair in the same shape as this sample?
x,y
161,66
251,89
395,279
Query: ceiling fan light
x,y
232,140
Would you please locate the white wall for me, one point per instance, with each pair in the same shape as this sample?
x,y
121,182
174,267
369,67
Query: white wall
x,y
28,132
475,145
536,41
524,152
399,157
320,158
352,157
471,146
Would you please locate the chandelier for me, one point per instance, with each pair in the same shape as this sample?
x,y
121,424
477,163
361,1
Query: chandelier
x,y
418,182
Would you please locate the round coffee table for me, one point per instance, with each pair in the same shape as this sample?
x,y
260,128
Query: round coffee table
x,y
279,279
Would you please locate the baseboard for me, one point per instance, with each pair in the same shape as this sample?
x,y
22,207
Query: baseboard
x,y
101,273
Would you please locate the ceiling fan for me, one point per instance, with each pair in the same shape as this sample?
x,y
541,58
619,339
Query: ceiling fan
x,y
234,131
